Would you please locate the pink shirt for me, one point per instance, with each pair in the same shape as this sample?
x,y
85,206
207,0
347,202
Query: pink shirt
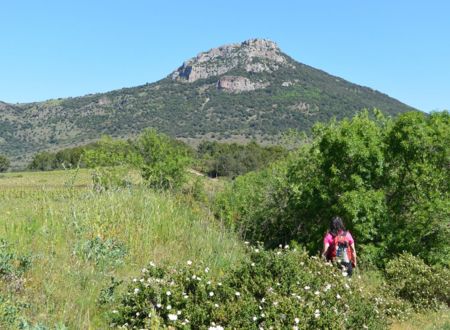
x,y
329,239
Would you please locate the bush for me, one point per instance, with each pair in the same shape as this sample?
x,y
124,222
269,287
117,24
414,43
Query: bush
x,y
102,252
163,161
4,163
425,287
277,289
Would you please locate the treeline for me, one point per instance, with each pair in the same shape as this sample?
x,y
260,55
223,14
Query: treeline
x,y
212,158
388,178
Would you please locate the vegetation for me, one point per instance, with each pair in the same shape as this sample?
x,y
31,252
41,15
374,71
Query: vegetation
x,y
4,163
139,240
389,179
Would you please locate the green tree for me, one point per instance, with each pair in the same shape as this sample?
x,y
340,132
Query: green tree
x,y
4,163
162,160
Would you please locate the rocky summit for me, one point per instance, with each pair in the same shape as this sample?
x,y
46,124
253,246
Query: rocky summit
x,y
243,91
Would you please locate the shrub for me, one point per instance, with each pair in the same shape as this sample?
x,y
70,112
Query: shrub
x,y
163,161
103,252
4,163
425,287
281,289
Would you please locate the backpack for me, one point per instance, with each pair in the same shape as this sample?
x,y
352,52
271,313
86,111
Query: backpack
x,y
342,250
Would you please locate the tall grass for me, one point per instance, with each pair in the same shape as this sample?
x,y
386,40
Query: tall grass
x,y
50,224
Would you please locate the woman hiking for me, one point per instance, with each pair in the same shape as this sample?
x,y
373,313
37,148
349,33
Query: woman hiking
x,y
339,246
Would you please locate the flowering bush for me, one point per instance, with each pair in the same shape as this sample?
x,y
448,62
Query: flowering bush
x,y
276,289
425,287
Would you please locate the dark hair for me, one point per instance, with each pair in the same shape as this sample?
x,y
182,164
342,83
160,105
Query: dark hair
x,y
336,225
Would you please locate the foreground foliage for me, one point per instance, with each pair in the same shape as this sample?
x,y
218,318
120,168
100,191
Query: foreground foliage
x,y
388,179
278,289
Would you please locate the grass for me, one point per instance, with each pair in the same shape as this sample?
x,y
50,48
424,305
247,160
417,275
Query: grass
x,y
43,218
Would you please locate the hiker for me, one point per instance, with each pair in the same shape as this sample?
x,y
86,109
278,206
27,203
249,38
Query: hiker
x,y
339,246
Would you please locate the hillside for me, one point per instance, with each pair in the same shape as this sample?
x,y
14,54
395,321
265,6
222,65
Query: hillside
x,y
250,90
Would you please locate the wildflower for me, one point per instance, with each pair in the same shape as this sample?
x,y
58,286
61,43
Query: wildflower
x,y
263,299
178,312
206,269
316,313
344,273
295,327
347,286
317,293
237,294
263,315
307,287
253,264
209,282
256,250
152,264
168,293
115,311
338,296
158,305
216,305
279,252
134,280
144,270
297,320
211,294
219,284
189,262
173,317
136,291
246,242
137,313
286,247
275,303
327,287
169,307
254,318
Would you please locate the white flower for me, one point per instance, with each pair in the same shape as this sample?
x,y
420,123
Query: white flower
x,y
237,294
144,270
178,312
206,270
275,303
216,305
338,296
216,327
137,313
209,282
152,264
173,317
344,273
347,286
246,242
279,252
307,287
158,305
211,294
189,262
135,280
115,311
316,313
136,291
297,320
169,307
317,293
256,250
286,247
254,318
327,287
263,315
295,327
168,293
219,284
253,264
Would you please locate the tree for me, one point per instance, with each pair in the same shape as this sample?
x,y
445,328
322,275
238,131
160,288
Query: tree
x,y
163,161
4,163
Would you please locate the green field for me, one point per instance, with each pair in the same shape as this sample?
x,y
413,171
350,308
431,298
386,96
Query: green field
x,y
60,223
80,243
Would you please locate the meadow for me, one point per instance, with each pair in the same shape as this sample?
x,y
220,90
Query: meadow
x,y
79,242
82,245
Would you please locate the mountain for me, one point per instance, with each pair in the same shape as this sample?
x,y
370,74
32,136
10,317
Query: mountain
x,y
250,90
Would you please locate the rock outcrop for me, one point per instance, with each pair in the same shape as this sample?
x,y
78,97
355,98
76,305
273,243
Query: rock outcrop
x,y
254,55
237,84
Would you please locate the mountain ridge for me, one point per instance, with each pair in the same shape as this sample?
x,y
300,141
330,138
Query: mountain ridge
x,y
248,90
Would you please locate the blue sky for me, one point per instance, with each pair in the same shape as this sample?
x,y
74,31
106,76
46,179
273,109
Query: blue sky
x,y
51,49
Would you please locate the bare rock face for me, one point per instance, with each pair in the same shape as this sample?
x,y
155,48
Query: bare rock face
x,y
237,84
255,55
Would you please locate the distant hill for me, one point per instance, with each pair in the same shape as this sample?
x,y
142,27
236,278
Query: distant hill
x,y
250,90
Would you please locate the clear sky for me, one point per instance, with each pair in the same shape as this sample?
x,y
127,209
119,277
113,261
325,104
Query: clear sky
x,y
60,48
